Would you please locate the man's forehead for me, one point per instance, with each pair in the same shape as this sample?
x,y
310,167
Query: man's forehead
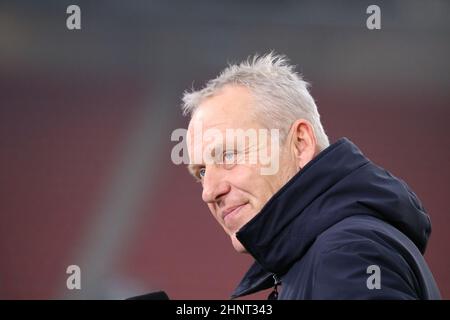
x,y
203,120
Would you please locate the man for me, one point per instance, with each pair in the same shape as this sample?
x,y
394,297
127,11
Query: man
x,y
327,223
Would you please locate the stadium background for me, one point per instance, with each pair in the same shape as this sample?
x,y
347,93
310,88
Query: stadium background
x,y
86,117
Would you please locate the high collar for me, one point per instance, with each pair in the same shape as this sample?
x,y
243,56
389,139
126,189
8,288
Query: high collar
x,y
339,182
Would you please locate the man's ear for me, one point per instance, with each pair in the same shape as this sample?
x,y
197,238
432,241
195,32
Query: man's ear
x,y
303,142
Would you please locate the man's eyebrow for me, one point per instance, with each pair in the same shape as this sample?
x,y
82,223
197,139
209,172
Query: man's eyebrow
x,y
192,167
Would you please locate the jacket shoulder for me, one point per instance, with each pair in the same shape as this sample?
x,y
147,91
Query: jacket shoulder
x,y
358,259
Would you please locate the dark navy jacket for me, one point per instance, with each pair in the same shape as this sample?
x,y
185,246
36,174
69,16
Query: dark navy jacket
x,y
339,215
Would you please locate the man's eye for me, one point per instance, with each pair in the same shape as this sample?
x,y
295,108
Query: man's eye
x,y
201,173
229,157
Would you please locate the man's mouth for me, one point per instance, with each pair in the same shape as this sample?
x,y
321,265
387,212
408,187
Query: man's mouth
x,y
232,211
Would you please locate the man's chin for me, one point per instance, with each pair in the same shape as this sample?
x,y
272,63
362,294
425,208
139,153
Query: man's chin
x,y
237,245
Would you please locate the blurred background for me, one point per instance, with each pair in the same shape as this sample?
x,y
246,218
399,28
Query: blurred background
x,y
86,117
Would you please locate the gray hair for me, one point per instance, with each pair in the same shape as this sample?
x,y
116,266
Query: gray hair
x,y
281,93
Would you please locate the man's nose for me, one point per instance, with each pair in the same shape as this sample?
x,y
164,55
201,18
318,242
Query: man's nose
x,y
214,185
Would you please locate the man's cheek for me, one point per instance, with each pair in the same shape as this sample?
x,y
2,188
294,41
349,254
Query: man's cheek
x,y
245,177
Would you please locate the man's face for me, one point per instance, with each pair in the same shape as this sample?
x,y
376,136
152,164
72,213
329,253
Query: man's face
x,y
235,192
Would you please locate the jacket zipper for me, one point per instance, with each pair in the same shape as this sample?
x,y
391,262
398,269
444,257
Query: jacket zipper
x,y
274,294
